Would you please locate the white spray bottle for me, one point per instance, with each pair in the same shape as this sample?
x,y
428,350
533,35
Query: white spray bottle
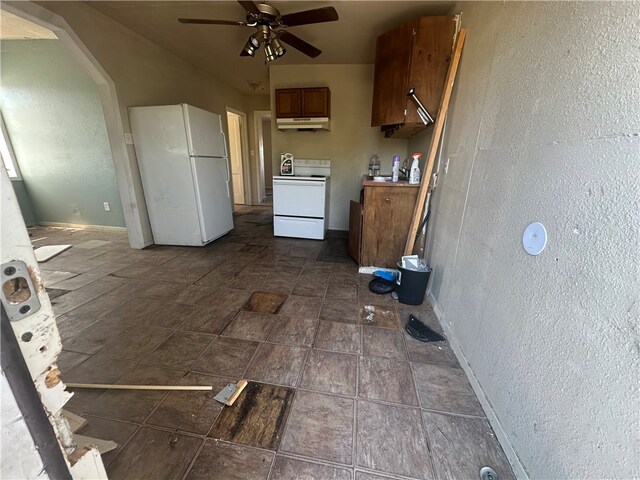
x,y
414,173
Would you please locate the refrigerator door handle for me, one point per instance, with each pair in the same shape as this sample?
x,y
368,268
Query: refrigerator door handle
x,y
224,141
226,164
226,161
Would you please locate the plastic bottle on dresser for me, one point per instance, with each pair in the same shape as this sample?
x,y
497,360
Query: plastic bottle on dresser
x,y
395,168
414,174
374,165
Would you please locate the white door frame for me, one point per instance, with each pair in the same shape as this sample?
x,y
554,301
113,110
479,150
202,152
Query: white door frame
x,y
124,161
258,117
244,141
38,341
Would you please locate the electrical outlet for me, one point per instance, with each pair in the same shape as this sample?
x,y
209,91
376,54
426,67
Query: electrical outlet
x,y
446,166
107,207
75,211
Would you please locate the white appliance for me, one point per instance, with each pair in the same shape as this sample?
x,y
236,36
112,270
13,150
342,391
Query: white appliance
x,y
319,123
301,201
183,161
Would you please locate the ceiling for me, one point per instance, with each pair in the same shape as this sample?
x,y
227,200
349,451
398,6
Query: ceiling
x,y
16,28
216,48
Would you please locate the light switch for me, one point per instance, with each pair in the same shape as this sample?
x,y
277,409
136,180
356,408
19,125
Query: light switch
x,y
128,138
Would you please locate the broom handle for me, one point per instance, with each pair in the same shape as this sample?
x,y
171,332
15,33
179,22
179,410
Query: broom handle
x,y
109,386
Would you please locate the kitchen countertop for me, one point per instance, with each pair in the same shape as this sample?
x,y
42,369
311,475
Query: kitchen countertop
x,y
367,182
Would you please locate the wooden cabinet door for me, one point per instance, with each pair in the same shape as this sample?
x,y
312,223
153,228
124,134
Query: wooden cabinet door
x,y
430,57
316,102
355,230
385,224
393,58
288,103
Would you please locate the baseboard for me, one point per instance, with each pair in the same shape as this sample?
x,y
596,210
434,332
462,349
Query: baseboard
x,y
512,456
78,225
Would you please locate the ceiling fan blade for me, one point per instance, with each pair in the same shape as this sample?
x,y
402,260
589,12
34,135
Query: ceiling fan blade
x,y
249,6
318,15
207,21
299,44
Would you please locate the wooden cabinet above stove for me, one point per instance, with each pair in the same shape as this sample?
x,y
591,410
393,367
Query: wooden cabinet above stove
x,y
415,55
303,102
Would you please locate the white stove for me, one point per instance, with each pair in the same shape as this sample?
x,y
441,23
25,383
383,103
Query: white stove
x,y
301,200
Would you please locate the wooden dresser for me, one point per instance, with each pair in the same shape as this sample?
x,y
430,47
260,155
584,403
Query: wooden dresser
x,y
379,223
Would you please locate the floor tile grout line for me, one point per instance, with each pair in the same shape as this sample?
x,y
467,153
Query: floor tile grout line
x,y
354,433
413,373
194,459
390,475
425,434
314,460
124,445
304,366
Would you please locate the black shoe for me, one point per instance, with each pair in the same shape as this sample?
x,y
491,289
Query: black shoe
x,y
420,331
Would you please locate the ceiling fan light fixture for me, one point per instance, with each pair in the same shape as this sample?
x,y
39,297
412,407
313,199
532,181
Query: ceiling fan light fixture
x,y
277,47
271,28
249,49
255,40
269,52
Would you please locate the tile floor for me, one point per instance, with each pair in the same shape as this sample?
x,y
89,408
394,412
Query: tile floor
x,y
337,389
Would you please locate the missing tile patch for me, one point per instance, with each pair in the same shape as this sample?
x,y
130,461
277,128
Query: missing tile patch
x,y
263,302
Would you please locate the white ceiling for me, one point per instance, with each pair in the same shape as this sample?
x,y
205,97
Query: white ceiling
x,y
216,48
16,28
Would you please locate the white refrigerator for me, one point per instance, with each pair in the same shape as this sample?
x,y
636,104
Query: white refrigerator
x,y
183,162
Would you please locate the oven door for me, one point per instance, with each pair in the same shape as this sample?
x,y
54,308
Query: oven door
x,y
299,198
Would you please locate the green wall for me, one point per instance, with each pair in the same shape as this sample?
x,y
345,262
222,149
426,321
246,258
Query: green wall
x,y
25,202
54,117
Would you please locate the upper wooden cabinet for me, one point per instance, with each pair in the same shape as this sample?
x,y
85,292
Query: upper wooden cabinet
x,y
414,55
316,102
289,103
303,102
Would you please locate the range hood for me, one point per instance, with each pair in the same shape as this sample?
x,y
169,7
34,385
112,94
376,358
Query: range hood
x,y
304,123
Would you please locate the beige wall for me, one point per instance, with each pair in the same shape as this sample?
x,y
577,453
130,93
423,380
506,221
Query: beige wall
x,y
351,141
544,127
146,74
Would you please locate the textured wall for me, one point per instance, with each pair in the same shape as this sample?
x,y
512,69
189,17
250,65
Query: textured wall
x,y
351,141
54,117
24,201
545,126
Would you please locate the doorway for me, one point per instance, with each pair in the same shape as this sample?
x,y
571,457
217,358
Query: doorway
x,y
238,158
128,184
262,119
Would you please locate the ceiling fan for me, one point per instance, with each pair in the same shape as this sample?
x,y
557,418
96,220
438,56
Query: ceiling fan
x,y
271,28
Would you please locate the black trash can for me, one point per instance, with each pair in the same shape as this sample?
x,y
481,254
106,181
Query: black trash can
x,y
412,285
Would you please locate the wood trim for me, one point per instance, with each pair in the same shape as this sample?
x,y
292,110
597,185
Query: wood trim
x,y
355,230
111,386
14,368
435,141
